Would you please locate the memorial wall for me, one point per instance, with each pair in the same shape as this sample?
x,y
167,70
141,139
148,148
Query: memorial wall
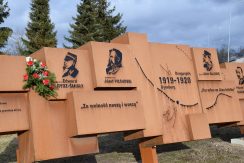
x,y
143,73
158,93
71,68
13,99
234,72
176,90
218,95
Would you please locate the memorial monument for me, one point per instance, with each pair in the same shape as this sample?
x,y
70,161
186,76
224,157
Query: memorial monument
x,y
158,93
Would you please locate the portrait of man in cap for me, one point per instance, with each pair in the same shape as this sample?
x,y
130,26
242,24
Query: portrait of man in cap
x,y
239,74
69,66
114,61
207,61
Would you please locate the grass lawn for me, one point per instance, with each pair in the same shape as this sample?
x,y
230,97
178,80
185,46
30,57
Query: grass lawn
x,y
114,150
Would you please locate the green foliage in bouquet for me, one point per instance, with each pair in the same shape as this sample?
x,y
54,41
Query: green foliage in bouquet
x,y
41,80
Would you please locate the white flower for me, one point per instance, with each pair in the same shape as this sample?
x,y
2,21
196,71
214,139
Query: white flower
x,y
27,59
41,76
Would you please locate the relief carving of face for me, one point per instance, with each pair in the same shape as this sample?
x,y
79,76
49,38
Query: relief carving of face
x,y
207,61
69,66
239,74
114,61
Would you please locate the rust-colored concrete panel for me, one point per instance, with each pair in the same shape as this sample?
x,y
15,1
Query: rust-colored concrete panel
x,y
17,156
177,91
206,64
241,129
104,111
128,38
26,147
131,135
86,145
144,75
234,71
224,71
13,112
49,130
220,101
199,126
148,154
112,65
71,67
12,70
242,109
153,142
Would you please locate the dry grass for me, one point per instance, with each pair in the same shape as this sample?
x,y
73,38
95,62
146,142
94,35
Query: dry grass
x,y
114,150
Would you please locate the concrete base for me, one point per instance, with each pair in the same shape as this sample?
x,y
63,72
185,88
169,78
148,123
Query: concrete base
x,y
239,141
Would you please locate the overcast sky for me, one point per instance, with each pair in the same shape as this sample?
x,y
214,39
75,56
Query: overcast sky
x,y
194,22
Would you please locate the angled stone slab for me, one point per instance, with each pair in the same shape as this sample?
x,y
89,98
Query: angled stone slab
x,y
198,129
12,70
206,64
235,72
48,136
111,65
13,113
199,126
144,82
71,67
176,90
103,112
220,101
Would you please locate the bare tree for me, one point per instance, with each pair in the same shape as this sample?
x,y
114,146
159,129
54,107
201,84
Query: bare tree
x,y
15,46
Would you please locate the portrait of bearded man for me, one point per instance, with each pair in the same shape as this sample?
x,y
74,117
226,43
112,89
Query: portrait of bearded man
x,y
114,62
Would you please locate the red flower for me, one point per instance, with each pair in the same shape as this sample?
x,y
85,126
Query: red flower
x,y
43,65
36,76
45,73
30,63
52,87
45,81
26,77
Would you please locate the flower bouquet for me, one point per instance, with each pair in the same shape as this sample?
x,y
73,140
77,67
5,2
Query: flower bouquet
x,y
38,78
